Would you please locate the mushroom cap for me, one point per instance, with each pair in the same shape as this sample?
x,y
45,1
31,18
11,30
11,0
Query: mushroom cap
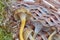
x,y
22,10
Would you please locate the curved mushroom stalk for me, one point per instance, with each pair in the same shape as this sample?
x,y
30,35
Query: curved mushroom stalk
x,y
23,14
28,34
51,36
23,21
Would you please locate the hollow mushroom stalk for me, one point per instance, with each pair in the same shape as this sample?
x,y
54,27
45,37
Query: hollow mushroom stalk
x,y
23,15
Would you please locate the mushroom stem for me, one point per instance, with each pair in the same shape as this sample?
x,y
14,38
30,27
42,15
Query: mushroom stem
x,y
23,21
50,37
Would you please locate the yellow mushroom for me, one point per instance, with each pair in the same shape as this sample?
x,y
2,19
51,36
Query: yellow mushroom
x,y
23,13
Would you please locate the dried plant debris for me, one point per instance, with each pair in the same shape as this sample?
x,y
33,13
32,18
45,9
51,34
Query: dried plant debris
x,y
29,19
